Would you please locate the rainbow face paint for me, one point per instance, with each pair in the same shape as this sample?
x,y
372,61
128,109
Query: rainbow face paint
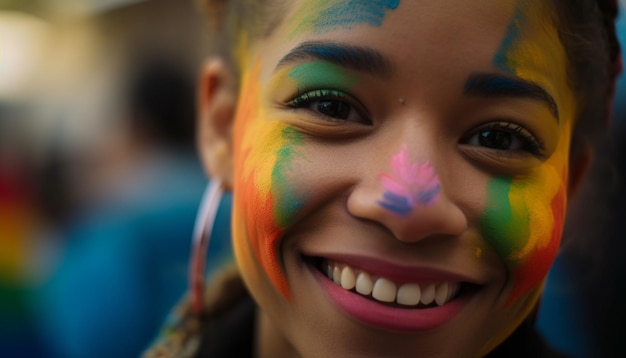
x,y
410,184
265,202
524,215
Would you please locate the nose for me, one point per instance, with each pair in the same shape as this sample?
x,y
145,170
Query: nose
x,y
411,202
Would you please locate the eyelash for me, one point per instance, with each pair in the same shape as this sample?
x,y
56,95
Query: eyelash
x,y
529,142
306,99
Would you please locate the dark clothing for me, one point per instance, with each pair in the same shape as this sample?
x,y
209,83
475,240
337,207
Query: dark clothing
x,y
524,342
233,335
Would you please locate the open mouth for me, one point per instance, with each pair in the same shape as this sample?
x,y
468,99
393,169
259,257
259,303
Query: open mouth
x,y
410,295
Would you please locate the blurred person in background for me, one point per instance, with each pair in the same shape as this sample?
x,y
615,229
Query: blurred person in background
x,y
126,254
99,195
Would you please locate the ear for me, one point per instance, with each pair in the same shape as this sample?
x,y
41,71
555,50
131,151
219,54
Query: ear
x,y
580,158
217,101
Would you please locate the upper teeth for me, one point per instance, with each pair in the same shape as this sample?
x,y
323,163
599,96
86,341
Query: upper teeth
x,y
385,290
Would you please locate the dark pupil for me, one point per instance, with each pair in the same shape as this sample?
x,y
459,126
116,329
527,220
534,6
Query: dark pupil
x,y
495,139
335,109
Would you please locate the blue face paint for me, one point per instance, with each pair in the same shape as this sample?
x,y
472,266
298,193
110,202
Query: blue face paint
x,y
328,15
502,60
409,185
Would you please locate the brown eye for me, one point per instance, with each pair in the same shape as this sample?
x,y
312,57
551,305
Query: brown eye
x,y
498,140
506,137
331,105
334,108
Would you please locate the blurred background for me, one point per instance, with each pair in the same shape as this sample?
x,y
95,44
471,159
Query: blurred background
x,y
99,179
100,182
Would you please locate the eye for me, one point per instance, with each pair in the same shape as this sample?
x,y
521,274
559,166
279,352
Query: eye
x,y
505,137
331,105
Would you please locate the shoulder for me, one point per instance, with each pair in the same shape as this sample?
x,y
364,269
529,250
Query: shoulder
x,y
228,312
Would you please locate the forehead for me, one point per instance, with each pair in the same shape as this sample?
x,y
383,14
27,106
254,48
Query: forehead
x,y
442,39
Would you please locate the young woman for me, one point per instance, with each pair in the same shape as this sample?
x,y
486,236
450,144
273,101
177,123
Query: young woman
x,y
400,171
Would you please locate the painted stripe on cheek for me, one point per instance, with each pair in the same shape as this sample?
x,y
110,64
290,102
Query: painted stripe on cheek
x,y
258,143
287,201
524,228
504,225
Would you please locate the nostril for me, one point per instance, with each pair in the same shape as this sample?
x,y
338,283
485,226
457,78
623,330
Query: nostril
x,y
443,217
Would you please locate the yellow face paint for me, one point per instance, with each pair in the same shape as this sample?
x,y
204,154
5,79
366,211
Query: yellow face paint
x,y
264,201
524,216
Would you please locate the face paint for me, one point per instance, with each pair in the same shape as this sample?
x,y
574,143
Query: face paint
x,y
265,202
409,185
316,75
524,215
329,15
523,227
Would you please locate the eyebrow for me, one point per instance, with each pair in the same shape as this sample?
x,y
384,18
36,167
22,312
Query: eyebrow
x,y
358,58
486,84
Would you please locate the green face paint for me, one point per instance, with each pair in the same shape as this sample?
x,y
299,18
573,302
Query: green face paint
x,y
315,75
287,200
504,227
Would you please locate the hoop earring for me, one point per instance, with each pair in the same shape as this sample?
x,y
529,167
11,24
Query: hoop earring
x,y
200,241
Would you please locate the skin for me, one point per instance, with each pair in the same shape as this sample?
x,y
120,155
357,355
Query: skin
x,y
307,185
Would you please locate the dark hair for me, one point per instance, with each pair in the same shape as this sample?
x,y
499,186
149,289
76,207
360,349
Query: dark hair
x,y
587,31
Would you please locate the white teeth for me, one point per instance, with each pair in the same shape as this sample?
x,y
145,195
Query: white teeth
x,y
384,290
337,275
348,278
409,294
428,294
441,293
364,284
452,290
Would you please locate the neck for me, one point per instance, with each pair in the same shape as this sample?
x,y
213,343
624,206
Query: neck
x,y
270,342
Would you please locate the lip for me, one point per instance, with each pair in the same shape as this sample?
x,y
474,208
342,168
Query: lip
x,y
388,317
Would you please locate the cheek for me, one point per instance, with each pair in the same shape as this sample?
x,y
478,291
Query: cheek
x,y
265,202
523,222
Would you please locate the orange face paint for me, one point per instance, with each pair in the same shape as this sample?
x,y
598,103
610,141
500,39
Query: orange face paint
x,y
524,214
264,201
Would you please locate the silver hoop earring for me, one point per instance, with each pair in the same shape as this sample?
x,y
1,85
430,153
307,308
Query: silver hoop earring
x,y
200,241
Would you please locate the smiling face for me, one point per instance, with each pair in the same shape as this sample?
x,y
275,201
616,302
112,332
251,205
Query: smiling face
x,y
345,118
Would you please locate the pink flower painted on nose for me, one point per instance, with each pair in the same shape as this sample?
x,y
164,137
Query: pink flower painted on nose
x,y
409,185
